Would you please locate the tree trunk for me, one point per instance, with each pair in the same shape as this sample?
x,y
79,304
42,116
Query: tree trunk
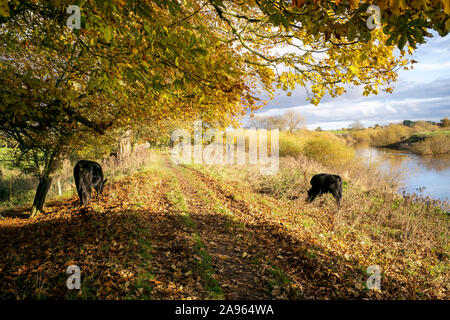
x,y
41,194
45,182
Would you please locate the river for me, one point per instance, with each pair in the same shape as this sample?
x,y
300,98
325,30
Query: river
x,y
426,175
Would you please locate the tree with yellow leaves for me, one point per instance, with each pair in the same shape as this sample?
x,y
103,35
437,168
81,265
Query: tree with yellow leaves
x,y
141,62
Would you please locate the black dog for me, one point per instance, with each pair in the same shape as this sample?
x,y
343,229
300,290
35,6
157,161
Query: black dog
x,y
88,175
326,183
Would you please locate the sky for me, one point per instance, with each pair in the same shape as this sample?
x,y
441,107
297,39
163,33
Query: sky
x,y
420,94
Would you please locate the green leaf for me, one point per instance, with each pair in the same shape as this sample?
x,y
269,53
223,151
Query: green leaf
x,y
402,41
200,50
147,29
351,34
108,35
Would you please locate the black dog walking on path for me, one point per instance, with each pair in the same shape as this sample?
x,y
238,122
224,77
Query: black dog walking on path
x,y
326,183
88,175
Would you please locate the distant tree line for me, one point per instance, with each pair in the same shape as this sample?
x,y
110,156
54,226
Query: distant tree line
x,y
289,121
443,123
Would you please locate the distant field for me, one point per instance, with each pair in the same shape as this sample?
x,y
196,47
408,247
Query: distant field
x,y
5,154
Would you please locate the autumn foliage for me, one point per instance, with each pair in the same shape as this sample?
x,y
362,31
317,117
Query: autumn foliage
x,y
193,232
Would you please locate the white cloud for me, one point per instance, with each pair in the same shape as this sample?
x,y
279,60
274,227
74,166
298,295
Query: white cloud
x,y
430,66
339,113
421,93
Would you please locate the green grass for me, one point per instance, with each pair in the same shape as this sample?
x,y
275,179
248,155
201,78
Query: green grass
x,y
306,221
206,270
421,135
204,267
16,191
142,281
209,197
278,276
145,274
277,281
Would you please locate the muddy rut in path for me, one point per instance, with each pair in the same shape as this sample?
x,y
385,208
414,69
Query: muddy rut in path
x,y
229,247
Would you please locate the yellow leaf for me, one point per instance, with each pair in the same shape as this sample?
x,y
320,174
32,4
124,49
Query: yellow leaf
x,y
352,69
354,4
446,5
298,3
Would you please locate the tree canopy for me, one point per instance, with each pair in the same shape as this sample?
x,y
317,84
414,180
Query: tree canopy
x,y
143,62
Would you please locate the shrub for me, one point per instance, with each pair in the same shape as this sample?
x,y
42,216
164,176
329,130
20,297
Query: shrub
x,y
437,144
290,145
364,135
420,126
391,134
328,151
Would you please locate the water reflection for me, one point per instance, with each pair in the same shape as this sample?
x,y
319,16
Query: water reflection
x,y
425,174
441,163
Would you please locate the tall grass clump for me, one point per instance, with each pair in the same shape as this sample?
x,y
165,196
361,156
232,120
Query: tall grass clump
x,y
287,183
437,144
328,152
370,207
290,145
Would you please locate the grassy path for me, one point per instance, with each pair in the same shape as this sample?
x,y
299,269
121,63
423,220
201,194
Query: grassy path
x,y
238,276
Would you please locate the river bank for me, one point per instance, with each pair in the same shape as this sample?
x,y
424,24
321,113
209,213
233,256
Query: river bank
x,y
423,144
419,140
425,175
